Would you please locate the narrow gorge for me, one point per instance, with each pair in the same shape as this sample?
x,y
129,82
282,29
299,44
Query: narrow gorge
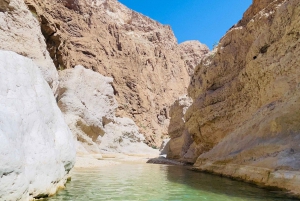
x,y
90,89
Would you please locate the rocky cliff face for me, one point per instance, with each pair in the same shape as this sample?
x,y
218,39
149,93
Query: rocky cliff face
x,y
179,146
20,32
148,66
37,149
87,100
244,118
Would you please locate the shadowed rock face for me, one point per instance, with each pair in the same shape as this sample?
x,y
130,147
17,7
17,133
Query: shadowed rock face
x,y
181,141
4,5
149,68
71,4
244,119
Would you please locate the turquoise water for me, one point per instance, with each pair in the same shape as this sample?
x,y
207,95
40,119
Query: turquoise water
x,y
147,182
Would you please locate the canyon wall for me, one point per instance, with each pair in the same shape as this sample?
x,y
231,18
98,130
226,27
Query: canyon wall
x,y
180,145
150,70
244,119
37,149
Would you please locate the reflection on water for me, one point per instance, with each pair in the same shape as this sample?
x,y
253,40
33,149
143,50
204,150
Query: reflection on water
x,y
147,182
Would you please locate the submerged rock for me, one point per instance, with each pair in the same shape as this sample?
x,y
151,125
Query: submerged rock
x,y
37,149
165,161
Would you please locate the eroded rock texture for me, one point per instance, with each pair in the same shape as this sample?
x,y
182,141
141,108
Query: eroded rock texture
x,y
245,116
181,140
192,53
37,149
149,69
87,100
20,32
4,4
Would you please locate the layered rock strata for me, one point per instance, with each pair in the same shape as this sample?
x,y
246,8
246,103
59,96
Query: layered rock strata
x,y
244,118
149,68
37,149
20,32
87,100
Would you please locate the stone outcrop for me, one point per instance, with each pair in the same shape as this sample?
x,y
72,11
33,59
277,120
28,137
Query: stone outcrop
x,y
192,53
37,149
87,100
181,140
20,32
123,136
149,68
244,119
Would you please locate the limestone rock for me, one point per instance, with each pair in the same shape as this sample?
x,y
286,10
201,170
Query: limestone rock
x,y
123,136
20,32
192,53
87,100
181,140
149,68
244,119
36,147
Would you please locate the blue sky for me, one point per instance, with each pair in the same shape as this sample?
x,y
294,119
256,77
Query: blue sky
x,y
203,20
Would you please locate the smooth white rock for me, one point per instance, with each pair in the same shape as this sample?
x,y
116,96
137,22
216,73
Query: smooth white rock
x,y
37,149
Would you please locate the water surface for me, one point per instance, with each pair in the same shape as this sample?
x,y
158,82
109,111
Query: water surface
x,y
147,182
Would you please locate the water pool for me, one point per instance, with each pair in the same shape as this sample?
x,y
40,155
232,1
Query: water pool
x,y
148,182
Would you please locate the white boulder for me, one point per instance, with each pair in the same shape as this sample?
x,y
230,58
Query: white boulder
x,y
36,147
123,136
87,100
